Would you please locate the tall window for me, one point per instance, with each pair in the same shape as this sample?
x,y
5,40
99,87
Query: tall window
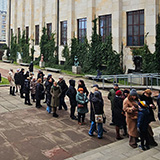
x,y
27,34
105,26
49,30
37,35
82,29
135,28
19,34
64,33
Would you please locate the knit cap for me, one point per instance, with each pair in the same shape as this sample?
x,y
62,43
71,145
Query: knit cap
x,y
133,92
119,92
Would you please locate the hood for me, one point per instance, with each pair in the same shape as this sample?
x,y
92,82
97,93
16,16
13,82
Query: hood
x,y
72,82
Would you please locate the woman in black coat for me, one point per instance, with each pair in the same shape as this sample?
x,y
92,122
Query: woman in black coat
x,y
81,84
71,93
39,93
119,118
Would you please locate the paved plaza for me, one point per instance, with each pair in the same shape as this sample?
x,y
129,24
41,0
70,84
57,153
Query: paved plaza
x,y
27,133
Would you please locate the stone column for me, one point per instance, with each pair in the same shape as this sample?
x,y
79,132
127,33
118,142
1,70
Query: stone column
x,y
32,27
90,16
117,24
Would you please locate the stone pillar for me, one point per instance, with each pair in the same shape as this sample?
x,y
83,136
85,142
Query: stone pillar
x,y
117,24
32,26
23,16
90,16
71,20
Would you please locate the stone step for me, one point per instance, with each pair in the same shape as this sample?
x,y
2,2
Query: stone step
x,y
120,150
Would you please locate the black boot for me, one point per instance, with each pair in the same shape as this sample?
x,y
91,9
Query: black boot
x,y
10,90
54,112
13,93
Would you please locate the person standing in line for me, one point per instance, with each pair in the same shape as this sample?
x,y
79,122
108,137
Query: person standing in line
x,y
119,115
130,107
111,96
22,79
82,109
12,82
158,103
17,80
64,88
55,99
39,93
97,110
71,93
33,88
27,91
31,67
48,86
143,124
146,96
81,84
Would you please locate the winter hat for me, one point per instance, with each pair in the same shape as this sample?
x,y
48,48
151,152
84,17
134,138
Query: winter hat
x,y
142,104
119,92
116,85
95,85
148,91
133,92
18,69
80,89
126,91
60,77
49,74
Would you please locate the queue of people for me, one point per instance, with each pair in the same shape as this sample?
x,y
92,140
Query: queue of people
x,y
130,111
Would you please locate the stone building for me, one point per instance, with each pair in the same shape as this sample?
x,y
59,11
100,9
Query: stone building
x,y
3,15
127,20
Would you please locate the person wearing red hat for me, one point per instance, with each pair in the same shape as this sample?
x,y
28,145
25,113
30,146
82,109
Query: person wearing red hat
x,y
119,118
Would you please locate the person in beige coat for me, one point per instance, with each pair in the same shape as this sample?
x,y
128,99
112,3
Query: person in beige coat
x,y
55,92
12,82
130,106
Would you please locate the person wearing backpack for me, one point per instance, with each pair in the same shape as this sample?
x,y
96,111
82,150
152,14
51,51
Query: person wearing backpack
x,y
27,91
12,82
97,106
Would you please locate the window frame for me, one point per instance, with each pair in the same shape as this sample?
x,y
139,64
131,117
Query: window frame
x,y
107,26
63,40
49,30
27,34
82,30
134,25
37,34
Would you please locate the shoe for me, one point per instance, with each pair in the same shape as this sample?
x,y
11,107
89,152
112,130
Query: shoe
x,y
79,123
112,124
119,138
29,104
59,108
142,147
147,147
133,146
99,137
22,97
154,144
83,123
104,130
55,115
74,118
26,103
90,134
65,109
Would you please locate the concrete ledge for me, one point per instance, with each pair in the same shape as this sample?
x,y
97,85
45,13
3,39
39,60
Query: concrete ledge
x,y
53,70
4,85
24,64
7,61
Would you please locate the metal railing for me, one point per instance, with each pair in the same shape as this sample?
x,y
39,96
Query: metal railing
x,y
148,79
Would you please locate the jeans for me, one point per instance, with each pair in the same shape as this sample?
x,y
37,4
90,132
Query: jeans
x,y
93,128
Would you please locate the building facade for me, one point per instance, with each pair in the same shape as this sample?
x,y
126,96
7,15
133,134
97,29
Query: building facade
x,y
128,21
3,5
3,16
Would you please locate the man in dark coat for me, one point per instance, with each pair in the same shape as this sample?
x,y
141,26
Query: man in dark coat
x,y
146,96
27,91
39,93
71,93
31,67
17,80
81,84
40,75
48,86
22,79
64,88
